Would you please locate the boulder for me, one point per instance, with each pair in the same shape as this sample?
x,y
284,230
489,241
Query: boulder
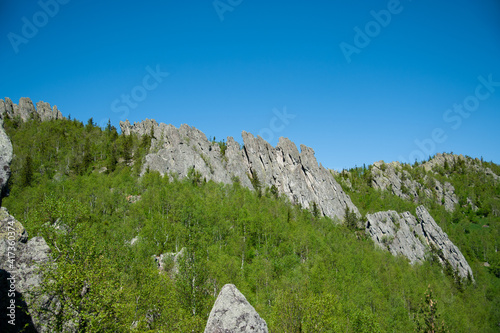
x,y
232,313
19,262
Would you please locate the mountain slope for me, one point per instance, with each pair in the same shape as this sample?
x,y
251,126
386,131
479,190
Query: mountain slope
x,y
106,217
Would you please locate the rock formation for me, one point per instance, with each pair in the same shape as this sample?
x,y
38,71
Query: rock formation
x,y
169,262
416,183
400,182
174,151
232,313
453,161
5,159
19,257
19,261
26,110
414,237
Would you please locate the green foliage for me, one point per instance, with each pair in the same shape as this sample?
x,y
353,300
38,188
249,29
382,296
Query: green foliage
x,y
254,179
428,316
350,219
27,171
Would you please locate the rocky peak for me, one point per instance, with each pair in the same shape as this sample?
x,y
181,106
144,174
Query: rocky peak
x,y
233,313
26,110
448,162
294,174
415,237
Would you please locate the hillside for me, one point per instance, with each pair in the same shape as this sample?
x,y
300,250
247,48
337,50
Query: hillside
x,y
145,228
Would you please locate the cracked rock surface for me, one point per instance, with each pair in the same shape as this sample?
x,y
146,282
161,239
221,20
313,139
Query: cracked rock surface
x,y
414,237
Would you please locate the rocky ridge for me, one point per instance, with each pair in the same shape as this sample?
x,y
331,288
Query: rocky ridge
x,y
232,313
396,179
415,237
417,183
25,110
174,151
448,162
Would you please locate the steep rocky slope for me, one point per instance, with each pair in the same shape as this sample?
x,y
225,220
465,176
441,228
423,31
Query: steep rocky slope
x,y
292,173
415,238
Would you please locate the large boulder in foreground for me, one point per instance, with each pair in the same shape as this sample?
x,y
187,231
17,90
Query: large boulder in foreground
x,y
233,313
19,277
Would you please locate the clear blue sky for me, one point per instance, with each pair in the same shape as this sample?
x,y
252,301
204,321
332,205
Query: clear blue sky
x,y
233,68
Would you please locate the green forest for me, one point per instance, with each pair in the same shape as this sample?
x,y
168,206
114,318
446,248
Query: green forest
x,y
79,186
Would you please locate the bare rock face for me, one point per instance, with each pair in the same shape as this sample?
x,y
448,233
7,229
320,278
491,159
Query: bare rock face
x,y
26,110
174,151
46,112
414,237
232,313
447,251
19,277
5,159
396,233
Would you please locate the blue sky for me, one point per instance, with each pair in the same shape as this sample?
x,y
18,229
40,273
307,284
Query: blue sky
x,y
358,81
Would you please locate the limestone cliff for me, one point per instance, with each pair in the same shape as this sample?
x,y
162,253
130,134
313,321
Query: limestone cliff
x,y
294,174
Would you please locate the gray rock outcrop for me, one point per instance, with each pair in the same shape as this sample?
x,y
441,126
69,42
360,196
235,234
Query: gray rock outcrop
x,y
394,178
26,110
169,261
174,151
453,162
5,159
19,262
415,237
232,313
